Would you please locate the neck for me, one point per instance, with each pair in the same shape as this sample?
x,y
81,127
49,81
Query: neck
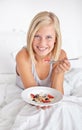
x,y
42,58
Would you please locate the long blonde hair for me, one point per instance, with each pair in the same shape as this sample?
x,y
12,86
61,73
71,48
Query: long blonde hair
x,y
42,19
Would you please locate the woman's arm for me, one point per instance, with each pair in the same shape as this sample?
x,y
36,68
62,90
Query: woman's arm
x,y
58,72
24,68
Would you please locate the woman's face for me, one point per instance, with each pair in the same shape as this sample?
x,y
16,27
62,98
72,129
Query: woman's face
x,y
44,40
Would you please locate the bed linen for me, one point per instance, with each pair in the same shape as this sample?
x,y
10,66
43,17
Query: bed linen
x,y
15,114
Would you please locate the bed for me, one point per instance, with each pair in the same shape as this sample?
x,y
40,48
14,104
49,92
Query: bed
x,y
16,114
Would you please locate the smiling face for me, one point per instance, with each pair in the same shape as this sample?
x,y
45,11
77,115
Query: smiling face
x,y
44,36
44,40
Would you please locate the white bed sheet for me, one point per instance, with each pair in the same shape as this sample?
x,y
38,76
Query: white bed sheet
x,y
15,114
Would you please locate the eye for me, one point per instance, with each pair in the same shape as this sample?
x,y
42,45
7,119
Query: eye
x,y
49,37
37,37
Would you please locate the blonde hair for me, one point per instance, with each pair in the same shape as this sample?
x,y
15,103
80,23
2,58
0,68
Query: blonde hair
x,y
42,19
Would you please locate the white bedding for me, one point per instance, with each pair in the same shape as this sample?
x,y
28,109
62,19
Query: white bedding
x,y
15,114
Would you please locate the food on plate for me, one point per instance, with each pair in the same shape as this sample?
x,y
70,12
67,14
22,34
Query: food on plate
x,y
44,98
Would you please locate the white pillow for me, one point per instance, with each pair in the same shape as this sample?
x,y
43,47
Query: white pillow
x,y
14,53
7,78
76,63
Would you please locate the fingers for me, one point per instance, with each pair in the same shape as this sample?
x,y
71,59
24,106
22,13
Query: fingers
x,y
63,66
44,107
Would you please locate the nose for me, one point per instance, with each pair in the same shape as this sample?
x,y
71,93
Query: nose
x,y
42,41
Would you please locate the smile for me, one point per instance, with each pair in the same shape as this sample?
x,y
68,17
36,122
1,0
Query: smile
x,y
42,48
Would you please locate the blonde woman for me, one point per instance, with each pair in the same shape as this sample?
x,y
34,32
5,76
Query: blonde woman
x,y
43,42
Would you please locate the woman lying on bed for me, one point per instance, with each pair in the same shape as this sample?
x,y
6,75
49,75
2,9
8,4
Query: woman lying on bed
x,y
43,44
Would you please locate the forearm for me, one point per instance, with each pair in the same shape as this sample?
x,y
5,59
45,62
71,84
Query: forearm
x,y
57,82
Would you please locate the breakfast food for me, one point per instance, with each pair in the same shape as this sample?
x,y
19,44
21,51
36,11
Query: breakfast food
x,y
44,98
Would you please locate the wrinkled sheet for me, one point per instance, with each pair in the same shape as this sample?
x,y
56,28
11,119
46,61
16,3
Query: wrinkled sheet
x,y
15,114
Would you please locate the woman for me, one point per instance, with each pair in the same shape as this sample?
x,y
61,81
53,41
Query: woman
x,y
43,44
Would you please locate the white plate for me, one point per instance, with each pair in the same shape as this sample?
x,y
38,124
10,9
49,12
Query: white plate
x,y
38,90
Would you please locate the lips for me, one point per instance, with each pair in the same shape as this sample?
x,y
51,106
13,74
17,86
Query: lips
x,y
41,48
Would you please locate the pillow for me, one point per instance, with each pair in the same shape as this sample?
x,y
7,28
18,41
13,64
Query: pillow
x,y
14,53
7,78
76,63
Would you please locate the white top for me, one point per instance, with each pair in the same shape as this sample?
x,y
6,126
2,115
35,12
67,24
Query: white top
x,y
46,82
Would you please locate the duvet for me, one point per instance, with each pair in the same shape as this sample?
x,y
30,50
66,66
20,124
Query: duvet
x,y
15,114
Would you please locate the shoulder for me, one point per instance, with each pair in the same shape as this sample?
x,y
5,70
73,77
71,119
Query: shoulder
x,y
63,54
22,55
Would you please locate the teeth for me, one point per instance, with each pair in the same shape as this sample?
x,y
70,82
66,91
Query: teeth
x,y
41,48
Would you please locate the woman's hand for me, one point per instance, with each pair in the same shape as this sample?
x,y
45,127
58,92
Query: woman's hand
x,y
62,66
44,107
58,71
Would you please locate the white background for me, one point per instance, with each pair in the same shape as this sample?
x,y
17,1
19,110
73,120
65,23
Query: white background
x,y
16,15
